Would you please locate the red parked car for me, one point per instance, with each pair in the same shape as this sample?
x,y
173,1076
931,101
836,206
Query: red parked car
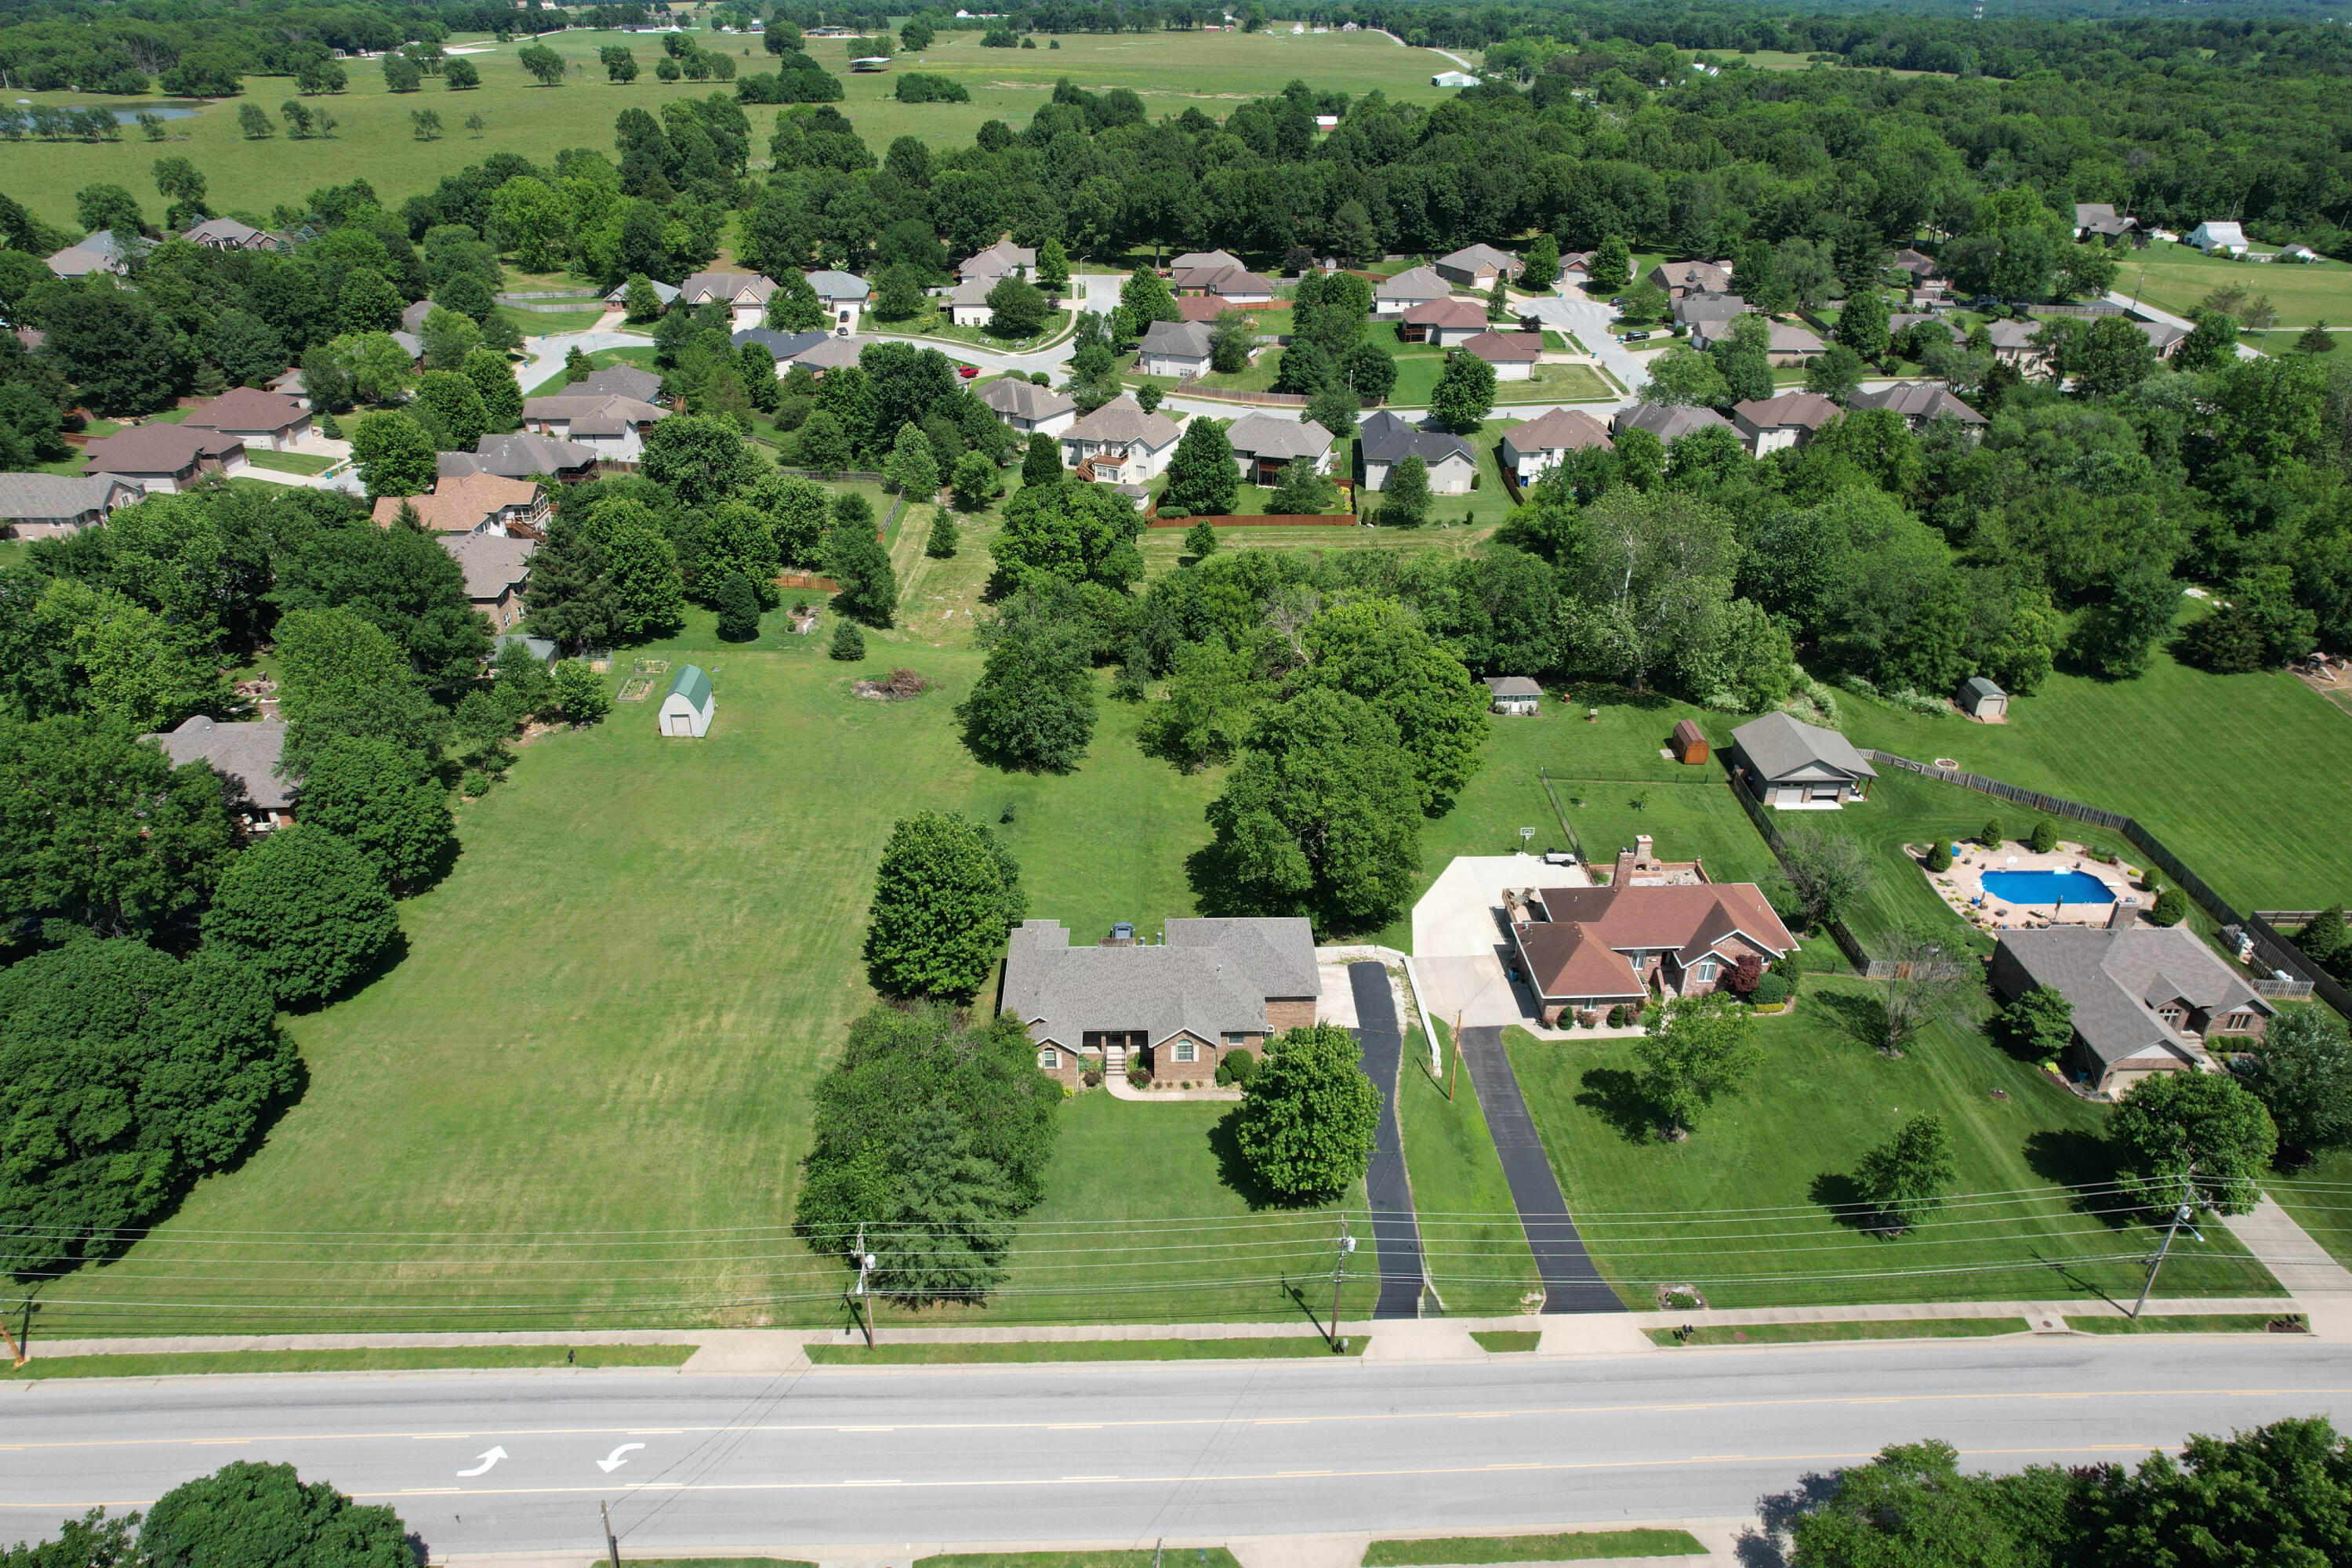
x,y
967,371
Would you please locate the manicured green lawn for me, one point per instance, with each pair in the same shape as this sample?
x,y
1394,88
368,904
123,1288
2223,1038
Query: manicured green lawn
x,y
1470,1233
402,1359
2177,279
1417,380
1821,1333
2315,1194
1172,70
290,462
1163,548
1508,1341
934,322
1575,1546
1213,1557
1288,1348
2248,778
2183,1324
603,359
1740,1209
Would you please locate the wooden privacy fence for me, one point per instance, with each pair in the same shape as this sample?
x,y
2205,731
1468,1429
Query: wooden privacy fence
x,y
2272,951
808,580
836,476
1269,519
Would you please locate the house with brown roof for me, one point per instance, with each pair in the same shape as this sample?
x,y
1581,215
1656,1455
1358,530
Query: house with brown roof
x,y
228,234
613,427
1919,403
1442,323
1024,406
163,457
1414,286
269,421
1120,443
1477,267
42,506
1513,354
1769,425
476,502
1680,277
745,294
1584,950
1533,450
1221,276
1202,306
2145,999
1202,260
1916,263
497,574
1178,1006
1792,345
246,756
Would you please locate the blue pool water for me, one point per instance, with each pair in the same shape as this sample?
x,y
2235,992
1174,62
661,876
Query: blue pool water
x,y
2048,887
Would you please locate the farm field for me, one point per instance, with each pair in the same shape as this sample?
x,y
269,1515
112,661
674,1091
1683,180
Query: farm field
x,y
2248,778
611,1015
373,137
2177,279
1739,1210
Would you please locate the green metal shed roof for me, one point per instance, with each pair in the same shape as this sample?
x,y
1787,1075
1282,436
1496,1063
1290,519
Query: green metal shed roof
x,y
692,684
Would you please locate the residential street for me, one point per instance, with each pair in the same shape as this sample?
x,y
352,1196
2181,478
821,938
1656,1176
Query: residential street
x,y
1136,1452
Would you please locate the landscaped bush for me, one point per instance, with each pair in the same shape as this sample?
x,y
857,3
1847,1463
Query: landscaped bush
x,y
848,640
1940,856
1991,836
1617,1017
2046,836
1239,1066
1771,991
2171,908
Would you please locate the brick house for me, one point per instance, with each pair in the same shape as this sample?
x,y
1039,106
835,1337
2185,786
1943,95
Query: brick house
x,y
1208,987
1588,949
2147,999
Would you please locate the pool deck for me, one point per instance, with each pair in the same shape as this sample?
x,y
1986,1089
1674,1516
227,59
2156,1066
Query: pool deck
x,y
1961,887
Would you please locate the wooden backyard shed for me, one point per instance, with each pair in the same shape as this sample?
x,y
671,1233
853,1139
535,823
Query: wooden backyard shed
x,y
1689,744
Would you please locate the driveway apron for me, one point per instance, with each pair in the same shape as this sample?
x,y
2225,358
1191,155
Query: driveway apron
x,y
1572,1283
1395,1231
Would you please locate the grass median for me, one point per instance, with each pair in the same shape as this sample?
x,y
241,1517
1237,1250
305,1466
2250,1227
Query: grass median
x,y
1571,1546
1293,1347
422,1358
1827,1333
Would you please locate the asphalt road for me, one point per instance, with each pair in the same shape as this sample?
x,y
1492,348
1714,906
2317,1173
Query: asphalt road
x,y
1138,1452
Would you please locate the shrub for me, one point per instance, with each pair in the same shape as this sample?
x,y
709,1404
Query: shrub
x,y
2046,836
1239,1065
1617,1017
848,641
2171,908
1991,836
1940,856
1771,991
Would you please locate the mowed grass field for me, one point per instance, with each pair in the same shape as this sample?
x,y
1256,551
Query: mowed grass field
x,y
2178,279
2248,778
1740,1209
373,138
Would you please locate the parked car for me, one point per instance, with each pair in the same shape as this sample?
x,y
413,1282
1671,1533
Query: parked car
x,y
1633,337
967,371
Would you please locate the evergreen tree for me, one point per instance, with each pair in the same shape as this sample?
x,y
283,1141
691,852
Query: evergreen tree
x,y
2317,339
910,466
1040,464
848,640
944,541
739,608
1498,302
1201,475
1405,499
1201,540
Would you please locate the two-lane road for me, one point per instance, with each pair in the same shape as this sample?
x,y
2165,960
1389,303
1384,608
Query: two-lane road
x,y
1138,1452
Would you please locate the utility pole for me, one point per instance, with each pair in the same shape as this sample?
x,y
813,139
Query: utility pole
x,y
2180,1217
612,1545
1339,1272
1454,1067
864,1272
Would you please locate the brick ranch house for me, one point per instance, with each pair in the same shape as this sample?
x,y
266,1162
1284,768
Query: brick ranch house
x,y
1208,987
1585,949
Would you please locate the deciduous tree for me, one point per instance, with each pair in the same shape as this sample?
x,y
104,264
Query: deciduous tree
x,y
306,909
1307,1124
1908,1177
2202,1137
944,896
1700,1050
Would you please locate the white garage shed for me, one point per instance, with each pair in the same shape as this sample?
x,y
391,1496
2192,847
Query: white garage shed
x,y
688,709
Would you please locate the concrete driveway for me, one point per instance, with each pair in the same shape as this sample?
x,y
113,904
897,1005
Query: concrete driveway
x,y
1460,947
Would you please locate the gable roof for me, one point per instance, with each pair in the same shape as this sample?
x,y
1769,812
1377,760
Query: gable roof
x,y
691,684
2219,233
1414,283
1790,410
832,353
2013,334
1470,257
248,408
77,261
619,381
1916,263
1122,419
1221,280
1979,686
155,449
459,503
1448,312
664,292
1024,399
1792,339
1778,747
1709,308
831,284
223,231
518,457
1383,437
494,564
45,497
998,259
1192,259
607,415
1703,277
1558,429
1266,435
2161,335
1669,421
1212,976
245,755
1185,339
1513,685
1581,948
1202,306
2116,977
1505,348
733,287
1914,400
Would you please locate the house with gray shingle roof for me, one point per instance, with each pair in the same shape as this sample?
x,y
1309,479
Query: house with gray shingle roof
x,y
1799,767
1025,406
1265,444
1384,440
1210,987
246,756
39,506
1669,421
2145,999
1174,348
1414,286
1478,265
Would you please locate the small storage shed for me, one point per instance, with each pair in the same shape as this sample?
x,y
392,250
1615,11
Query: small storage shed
x,y
686,710
1982,699
1689,744
1515,695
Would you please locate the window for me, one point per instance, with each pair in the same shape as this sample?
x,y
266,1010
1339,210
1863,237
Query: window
x,y
1050,1059
2170,1014
1232,1039
1703,969
1185,1051
2237,1020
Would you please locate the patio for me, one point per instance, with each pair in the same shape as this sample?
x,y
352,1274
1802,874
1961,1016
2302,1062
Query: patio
x,y
1962,887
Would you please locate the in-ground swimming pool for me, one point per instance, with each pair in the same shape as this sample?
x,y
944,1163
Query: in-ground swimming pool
x,y
2048,887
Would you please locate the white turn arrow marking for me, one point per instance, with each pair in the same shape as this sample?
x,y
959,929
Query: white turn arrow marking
x,y
613,1461
492,1457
